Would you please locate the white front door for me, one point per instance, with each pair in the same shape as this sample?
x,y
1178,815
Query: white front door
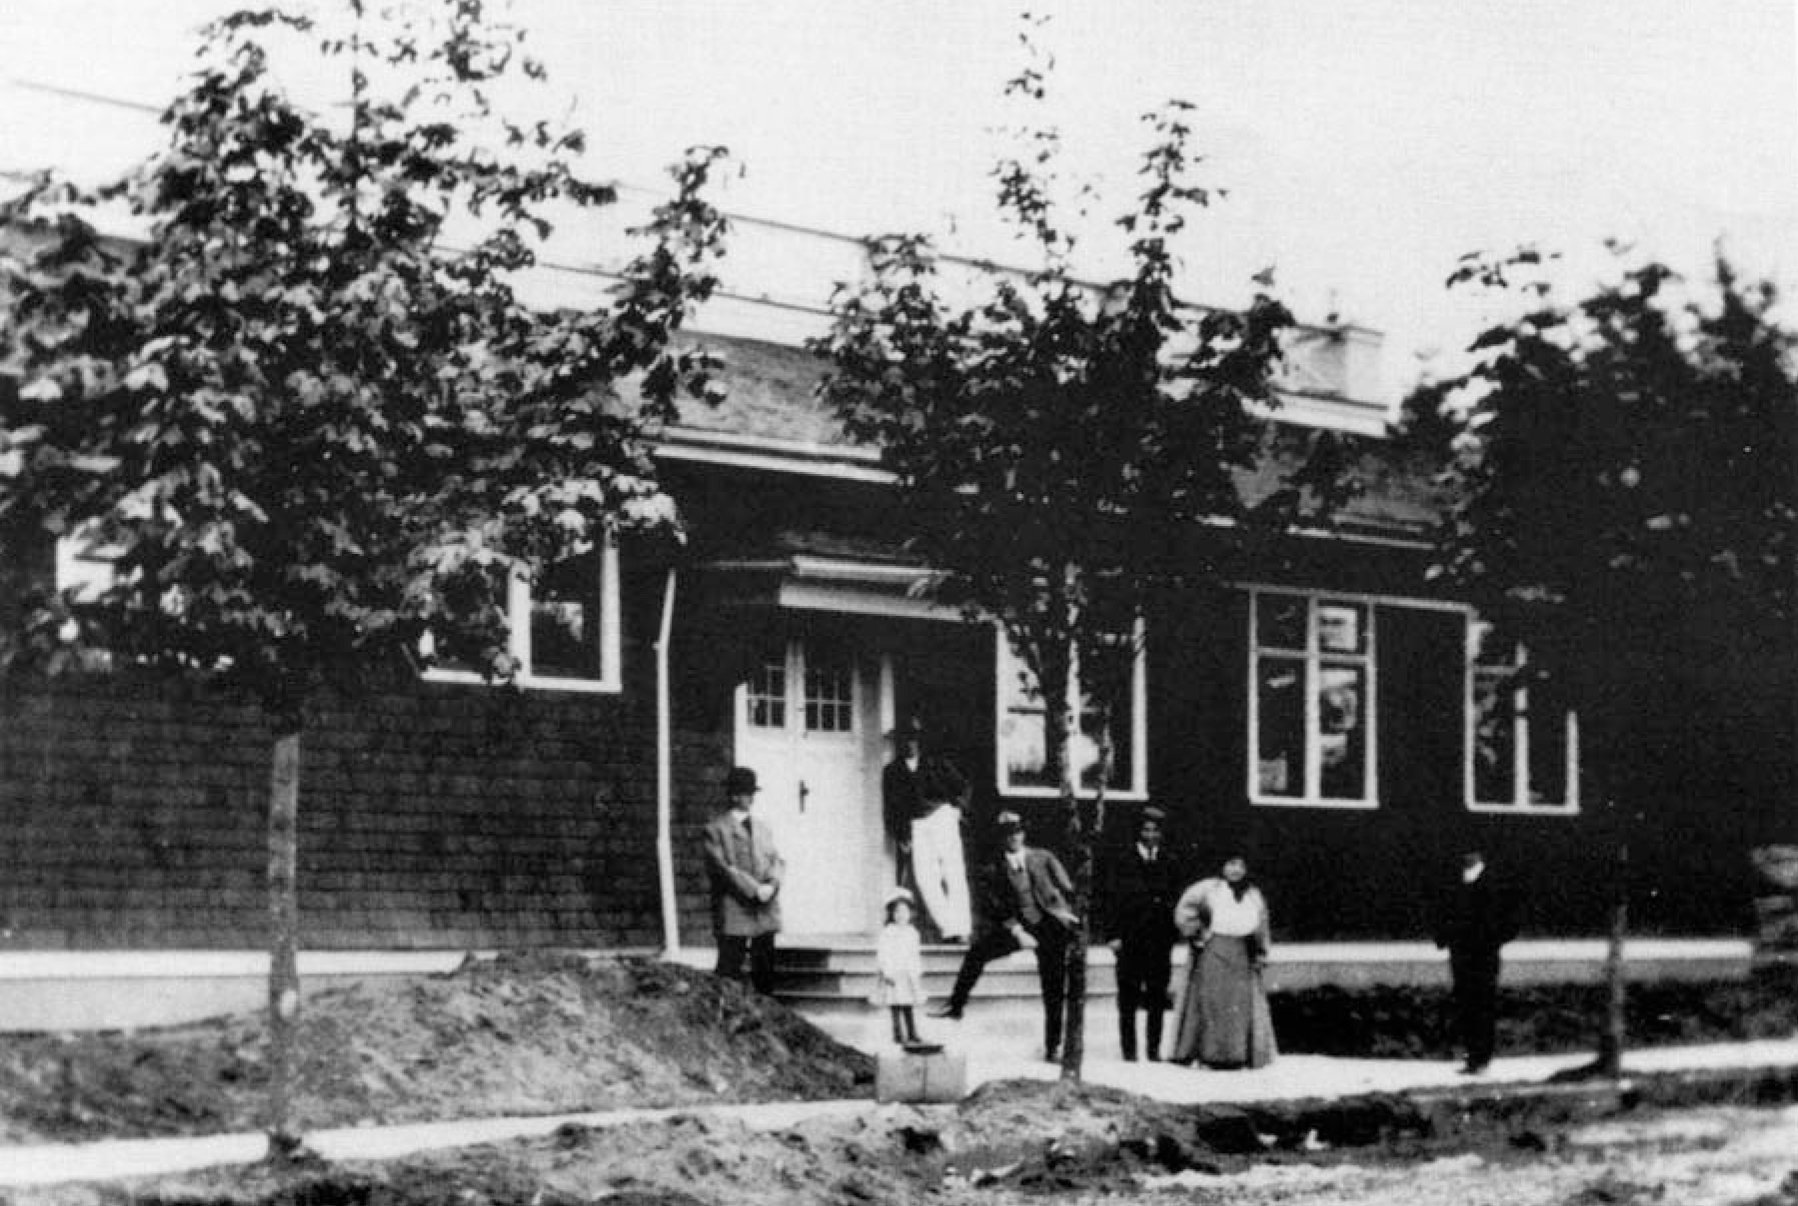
x,y
804,727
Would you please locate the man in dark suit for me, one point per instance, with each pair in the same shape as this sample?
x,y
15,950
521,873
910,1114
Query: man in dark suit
x,y
1476,918
1137,895
745,871
1024,894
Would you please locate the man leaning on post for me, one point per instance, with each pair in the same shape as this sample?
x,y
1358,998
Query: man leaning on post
x,y
1024,895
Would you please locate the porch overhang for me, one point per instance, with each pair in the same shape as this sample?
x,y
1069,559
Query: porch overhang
x,y
847,585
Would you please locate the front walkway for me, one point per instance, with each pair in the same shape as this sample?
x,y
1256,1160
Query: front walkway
x,y
1293,1076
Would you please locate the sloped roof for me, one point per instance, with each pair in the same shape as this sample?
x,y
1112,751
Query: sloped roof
x,y
770,396
771,393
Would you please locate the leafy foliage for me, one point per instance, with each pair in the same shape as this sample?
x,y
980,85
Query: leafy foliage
x,y
307,414
1060,445
1058,442
1622,479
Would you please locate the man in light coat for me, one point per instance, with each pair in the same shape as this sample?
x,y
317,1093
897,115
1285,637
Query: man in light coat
x,y
745,871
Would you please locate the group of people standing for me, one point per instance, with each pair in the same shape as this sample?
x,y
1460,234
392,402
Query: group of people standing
x,y
1025,896
1224,1020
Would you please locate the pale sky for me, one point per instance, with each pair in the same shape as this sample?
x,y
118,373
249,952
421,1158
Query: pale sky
x,y
1365,144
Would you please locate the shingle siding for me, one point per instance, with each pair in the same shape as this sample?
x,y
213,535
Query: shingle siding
x,y
447,816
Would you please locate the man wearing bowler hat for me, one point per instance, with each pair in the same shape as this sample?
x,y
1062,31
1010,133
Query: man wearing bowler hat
x,y
745,871
1025,894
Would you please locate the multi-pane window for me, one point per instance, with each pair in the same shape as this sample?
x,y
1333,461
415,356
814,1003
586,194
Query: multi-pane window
x,y
562,628
1312,691
1522,744
799,684
1024,767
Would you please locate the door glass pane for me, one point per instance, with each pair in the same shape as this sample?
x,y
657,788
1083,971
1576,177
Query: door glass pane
x,y
565,637
768,694
1280,711
1342,731
829,698
1494,738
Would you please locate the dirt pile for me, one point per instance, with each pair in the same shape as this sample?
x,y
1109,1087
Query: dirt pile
x,y
521,1034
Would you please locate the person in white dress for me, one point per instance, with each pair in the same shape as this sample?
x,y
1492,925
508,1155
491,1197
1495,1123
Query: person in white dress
x,y
899,960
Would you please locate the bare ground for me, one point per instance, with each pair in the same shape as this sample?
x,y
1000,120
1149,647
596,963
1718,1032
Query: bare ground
x,y
523,1034
542,1034
1016,1144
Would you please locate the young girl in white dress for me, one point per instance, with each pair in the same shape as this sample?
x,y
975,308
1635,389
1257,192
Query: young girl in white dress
x,y
900,961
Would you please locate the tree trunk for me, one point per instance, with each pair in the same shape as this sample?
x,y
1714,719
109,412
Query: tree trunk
x,y
1065,723
284,916
1611,1038
1085,856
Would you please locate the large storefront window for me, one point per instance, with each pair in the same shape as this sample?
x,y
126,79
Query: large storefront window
x,y
1023,736
1311,708
1522,743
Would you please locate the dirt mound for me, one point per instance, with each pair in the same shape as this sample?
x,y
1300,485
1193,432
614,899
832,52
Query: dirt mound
x,y
521,1034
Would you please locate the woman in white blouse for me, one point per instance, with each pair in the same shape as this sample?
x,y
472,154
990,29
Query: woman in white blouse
x,y
1224,1019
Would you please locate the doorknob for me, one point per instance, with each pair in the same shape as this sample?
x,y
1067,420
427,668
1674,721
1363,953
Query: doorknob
x,y
804,791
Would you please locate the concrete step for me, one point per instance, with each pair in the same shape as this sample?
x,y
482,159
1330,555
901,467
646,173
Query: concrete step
x,y
832,986
811,975
999,1027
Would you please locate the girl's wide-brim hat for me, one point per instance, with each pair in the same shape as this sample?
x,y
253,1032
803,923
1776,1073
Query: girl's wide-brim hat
x,y
897,895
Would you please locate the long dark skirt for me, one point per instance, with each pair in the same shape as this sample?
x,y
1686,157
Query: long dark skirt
x,y
1224,1019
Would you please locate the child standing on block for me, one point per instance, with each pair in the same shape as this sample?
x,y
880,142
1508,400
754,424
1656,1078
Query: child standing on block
x,y
900,961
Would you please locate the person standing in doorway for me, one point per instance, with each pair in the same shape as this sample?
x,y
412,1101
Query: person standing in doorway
x,y
1225,1021
1476,918
923,800
745,870
1024,900
899,803
1137,895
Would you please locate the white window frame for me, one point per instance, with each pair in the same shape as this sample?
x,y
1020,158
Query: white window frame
x,y
1521,805
1010,669
1313,657
610,680
797,659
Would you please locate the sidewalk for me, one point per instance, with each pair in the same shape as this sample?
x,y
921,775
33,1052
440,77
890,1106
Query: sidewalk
x,y
1291,1077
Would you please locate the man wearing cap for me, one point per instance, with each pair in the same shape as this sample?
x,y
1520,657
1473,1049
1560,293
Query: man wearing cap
x,y
745,871
1140,887
922,800
1024,896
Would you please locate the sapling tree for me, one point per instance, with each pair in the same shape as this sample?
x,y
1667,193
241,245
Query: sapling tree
x,y
1621,506
1057,444
300,406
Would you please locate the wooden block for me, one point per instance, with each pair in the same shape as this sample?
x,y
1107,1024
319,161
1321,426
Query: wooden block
x,y
920,1076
